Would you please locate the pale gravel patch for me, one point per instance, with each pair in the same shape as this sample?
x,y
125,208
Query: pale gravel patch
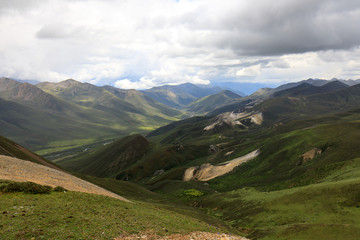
x,y
207,171
148,235
18,170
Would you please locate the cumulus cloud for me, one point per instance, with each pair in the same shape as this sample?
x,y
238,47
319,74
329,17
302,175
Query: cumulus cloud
x,y
171,42
143,83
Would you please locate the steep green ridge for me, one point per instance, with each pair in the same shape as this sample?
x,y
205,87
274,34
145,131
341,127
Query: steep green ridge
x,y
295,107
110,159
209,103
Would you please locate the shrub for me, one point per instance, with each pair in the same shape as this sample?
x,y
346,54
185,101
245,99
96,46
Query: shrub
x,y
12,187
192,193
26,187
34,188
59,189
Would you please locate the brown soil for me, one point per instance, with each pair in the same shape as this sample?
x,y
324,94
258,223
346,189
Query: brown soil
x,y
191,236
18,170
309,155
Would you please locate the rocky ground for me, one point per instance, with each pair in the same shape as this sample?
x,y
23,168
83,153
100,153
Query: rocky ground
x,y
191,236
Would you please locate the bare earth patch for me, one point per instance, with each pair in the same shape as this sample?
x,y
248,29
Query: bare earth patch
x,y
234,119
207,171
18,170
148,235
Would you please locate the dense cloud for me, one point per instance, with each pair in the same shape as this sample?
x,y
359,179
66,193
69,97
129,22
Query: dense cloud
x,y
140,44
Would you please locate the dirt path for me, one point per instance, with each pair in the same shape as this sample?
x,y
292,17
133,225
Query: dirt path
x,y
15,169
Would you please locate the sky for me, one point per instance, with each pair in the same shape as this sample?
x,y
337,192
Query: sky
x,y
145,43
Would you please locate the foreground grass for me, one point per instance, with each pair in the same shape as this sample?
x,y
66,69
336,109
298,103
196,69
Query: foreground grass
x,y
329,210
74,215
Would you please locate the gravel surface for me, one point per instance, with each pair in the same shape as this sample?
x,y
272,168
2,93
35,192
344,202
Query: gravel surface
x,y
18,170
191,236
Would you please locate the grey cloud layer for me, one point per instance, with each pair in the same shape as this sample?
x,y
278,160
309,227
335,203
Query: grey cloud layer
x,y
165,41
280,27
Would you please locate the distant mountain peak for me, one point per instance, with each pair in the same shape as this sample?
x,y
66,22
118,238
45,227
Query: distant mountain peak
x,y
69,82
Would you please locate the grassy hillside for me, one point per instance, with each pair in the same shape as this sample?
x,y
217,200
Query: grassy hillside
x,y
278,195
110,159
134,158
296,107
70,114
328,210
74,215
306,89
33,211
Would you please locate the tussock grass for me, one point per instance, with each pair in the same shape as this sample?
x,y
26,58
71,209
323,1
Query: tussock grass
x,y
74,215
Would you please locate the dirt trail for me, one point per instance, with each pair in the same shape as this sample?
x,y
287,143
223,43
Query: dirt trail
x,y
207,171
15,169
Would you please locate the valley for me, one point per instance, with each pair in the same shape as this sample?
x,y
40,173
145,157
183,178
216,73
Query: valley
x,y
281,163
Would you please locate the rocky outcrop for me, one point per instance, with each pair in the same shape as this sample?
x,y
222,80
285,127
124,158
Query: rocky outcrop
x,y
231,119
208,171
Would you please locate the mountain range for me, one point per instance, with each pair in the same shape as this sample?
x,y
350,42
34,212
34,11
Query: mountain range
x,y
281,163
178,96
38,116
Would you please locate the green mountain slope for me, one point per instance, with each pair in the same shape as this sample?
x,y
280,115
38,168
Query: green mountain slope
x,y
12,149
70,114
109,160
107,98
211,102
306,89
27,94
133,158
294,107
37,129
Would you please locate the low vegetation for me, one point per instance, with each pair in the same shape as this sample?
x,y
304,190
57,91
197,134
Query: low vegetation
x,y
26,187
329,210
74,215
